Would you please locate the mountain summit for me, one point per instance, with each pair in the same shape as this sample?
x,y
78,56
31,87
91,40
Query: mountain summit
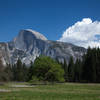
x,y
26,38
30,44
37,34
31,33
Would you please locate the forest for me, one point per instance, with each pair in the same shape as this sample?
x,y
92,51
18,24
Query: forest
x,y
46,69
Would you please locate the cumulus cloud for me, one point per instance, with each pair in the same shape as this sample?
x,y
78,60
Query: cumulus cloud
x,y
83,33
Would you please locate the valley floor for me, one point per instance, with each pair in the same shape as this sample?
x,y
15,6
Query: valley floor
x,y
64,91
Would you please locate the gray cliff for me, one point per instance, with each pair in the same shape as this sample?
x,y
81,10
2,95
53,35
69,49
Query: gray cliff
x,y
30,44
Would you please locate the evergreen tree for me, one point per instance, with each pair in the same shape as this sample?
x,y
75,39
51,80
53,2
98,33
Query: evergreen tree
x,y
25,70
30,71
14,72
2,74
98,65
65,67
8,72
77,71
88,70
20,71
71,70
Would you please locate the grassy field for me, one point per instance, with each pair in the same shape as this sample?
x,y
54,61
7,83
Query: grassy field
x,y
66,91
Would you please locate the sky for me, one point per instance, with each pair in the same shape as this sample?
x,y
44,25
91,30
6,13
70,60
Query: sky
x,y
74,21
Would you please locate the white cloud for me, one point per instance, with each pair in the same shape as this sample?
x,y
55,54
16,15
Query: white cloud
x,y
83,33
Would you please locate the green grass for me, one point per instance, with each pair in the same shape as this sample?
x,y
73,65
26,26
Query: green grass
x,y
66,91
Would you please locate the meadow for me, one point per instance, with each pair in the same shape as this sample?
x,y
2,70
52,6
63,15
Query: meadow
x,y
63,91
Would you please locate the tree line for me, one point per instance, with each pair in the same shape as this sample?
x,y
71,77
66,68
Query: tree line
x,y
43,69
85,70
47,69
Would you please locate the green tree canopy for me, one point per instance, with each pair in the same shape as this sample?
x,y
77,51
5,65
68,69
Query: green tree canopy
x,y
47,69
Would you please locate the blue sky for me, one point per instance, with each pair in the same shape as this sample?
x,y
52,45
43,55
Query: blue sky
x,y
50,17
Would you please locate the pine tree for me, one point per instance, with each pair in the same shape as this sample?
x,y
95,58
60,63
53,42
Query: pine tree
x,y
65,67
98,65
2,74
77,71
89,66
30,71
8,72
24,73
71,70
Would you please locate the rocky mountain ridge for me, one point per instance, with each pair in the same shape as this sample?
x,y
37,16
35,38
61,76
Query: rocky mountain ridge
x,y
30,44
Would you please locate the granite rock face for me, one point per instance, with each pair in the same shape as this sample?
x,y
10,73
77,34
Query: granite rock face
x,y
30,44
